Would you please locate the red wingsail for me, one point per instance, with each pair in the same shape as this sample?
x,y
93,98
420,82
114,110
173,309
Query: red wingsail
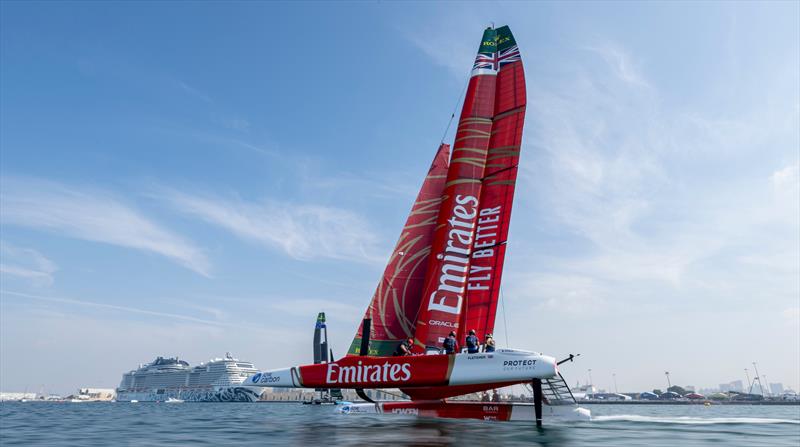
x,y
497,195
394,306
446,279
445,271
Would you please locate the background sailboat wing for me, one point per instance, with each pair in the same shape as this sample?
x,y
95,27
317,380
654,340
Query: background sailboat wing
x,y
396,301
497,193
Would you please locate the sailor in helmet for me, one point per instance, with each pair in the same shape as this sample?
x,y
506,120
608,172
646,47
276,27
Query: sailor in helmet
x,y
488,343
473,344
450,344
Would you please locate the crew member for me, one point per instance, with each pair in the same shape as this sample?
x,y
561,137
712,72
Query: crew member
x,y
488,343
450,344
496,396
404,348
473,344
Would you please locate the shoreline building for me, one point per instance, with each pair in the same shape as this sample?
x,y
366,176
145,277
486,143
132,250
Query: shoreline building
x,y
736,385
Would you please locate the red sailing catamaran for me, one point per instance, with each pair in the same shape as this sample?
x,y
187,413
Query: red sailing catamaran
x,y
444,273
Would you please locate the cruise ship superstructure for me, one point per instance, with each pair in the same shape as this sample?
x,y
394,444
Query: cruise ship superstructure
x,y
219,380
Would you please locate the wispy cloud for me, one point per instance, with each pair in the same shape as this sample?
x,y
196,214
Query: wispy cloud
x,y
450,43
235,123
127,309
551,293
26,263
194,92
307,307
302,231
787,179
380,185
622,64
661,202
452,53
92,215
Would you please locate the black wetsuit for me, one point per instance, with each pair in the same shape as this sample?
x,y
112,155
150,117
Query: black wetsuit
x,y
399,352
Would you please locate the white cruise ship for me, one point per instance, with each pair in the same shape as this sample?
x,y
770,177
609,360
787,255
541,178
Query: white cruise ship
x,y
219,380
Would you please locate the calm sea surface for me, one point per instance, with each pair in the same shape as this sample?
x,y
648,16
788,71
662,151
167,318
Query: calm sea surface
x,y
146,424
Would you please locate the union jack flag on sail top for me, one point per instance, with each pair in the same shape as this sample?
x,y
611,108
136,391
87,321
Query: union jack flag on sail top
x,y
508,56
495,61
485,62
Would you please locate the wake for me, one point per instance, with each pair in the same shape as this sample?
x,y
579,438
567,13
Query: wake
x,y
691,420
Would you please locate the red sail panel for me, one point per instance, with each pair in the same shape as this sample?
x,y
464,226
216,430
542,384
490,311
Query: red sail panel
x,y
446,279
396,301
497,195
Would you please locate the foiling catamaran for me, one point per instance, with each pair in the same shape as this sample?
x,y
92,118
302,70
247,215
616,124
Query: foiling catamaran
x,y
444,274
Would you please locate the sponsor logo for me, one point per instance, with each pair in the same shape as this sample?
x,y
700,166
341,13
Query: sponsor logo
x,y
455,260
368,373
519,364
491,408
265,378
443,323
528,362
486,240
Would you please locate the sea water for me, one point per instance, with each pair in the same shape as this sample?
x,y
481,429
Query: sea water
x,y
265,424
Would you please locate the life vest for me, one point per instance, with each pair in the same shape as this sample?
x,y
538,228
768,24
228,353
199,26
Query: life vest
x,y
472,344
449,345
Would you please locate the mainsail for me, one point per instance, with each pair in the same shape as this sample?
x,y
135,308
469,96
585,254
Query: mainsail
x,y
446,279
444,274
497,194
396,301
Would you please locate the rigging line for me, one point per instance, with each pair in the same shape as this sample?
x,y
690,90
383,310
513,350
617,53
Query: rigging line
x,y
453,114
505,322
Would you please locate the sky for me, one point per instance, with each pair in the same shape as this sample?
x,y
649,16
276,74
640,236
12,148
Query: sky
x,y
194,178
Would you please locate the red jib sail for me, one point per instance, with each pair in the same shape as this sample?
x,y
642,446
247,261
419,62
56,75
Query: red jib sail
x,y
446,278
396,302
497,194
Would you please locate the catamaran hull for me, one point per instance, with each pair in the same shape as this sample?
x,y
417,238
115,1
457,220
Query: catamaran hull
x,y
488,411
458,371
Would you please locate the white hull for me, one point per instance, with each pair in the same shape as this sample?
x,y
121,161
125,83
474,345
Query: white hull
x,y
433,370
